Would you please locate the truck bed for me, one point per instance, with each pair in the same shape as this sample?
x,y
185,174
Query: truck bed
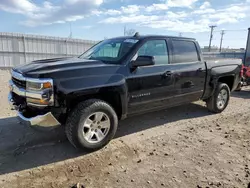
x,y
222,61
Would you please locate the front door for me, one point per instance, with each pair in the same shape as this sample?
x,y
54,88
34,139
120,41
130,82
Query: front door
x,y
150,87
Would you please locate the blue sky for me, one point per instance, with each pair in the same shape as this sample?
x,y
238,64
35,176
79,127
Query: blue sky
x,y
99,19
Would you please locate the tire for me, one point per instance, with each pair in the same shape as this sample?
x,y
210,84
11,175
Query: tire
x,y
214,103
83,117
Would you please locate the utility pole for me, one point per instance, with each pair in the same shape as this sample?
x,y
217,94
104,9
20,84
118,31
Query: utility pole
x,y
70,31
125,30
211,36
221,40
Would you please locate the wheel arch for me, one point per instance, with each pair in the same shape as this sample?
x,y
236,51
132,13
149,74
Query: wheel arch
x,y
113,96
229,80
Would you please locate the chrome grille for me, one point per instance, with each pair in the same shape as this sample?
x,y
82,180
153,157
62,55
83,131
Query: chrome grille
x,y
19,83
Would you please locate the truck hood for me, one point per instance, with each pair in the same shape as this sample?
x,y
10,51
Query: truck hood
x,y
44,67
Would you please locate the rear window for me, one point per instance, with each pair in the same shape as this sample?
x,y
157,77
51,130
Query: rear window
x,y
184,51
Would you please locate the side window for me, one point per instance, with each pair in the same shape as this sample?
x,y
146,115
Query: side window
x,y
156,48
184,51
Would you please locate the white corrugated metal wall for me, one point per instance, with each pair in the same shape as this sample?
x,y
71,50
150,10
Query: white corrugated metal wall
x,y
235,55
17,49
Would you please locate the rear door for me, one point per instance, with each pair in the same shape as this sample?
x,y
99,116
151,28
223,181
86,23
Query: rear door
x,y
190,70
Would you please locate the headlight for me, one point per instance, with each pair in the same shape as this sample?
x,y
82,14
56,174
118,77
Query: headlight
x,y
37,86
39,92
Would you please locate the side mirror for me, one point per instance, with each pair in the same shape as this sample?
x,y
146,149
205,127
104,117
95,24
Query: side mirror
x,y
143,61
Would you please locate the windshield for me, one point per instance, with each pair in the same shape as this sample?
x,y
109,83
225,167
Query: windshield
x,y
112,50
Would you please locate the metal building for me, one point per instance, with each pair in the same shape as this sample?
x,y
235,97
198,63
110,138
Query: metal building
x,y
17,49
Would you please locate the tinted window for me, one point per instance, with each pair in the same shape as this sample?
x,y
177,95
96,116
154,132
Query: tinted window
x,y
110,51
156,48
184,51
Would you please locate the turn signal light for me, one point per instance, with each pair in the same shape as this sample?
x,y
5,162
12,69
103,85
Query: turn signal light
x,y
47,85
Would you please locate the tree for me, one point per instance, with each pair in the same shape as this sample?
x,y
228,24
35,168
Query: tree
x,y
130,32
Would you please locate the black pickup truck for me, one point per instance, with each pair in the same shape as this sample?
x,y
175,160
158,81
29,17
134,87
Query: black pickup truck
x,y
115,79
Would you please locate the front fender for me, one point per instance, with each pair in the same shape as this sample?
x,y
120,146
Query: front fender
x,y
79,85
86,87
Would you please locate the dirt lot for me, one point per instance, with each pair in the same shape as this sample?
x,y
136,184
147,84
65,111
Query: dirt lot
x,y
180,147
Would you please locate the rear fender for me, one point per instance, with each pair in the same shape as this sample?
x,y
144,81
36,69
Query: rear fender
x,y
220,72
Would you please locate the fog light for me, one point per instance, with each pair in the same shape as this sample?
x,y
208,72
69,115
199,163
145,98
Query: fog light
x,y
37,101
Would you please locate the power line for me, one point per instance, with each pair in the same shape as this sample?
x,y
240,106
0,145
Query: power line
x,y
221,40
211,36
231,30
230,39
236,30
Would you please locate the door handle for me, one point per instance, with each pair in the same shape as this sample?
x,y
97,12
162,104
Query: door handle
x,y
167,74
200,70
192,84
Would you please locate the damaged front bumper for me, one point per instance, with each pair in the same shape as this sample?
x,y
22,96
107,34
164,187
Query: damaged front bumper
x,y
46,120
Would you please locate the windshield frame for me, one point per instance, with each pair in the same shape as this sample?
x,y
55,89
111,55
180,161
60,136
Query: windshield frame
x,y
119,61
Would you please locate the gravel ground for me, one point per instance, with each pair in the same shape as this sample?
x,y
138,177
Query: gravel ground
x,y
179,147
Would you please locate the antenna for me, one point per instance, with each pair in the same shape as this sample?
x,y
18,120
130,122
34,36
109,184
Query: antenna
x,y
136,34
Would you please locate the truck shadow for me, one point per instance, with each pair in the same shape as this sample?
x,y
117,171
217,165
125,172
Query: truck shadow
x,y
244,94
23,148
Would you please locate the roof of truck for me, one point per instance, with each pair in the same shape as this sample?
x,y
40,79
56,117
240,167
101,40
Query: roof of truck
x,y
141,37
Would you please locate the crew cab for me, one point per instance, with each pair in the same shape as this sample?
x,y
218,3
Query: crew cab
x,y
115,79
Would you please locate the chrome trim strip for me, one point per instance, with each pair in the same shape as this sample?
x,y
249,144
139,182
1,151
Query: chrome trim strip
x,y
39,80
36,80
34,95
17,75
17,90
36,105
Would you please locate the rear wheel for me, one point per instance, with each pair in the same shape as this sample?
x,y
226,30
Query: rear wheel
x,y
220,99
91,125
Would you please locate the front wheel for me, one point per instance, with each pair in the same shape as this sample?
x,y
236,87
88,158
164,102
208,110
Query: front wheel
x,y
91,125
220,99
